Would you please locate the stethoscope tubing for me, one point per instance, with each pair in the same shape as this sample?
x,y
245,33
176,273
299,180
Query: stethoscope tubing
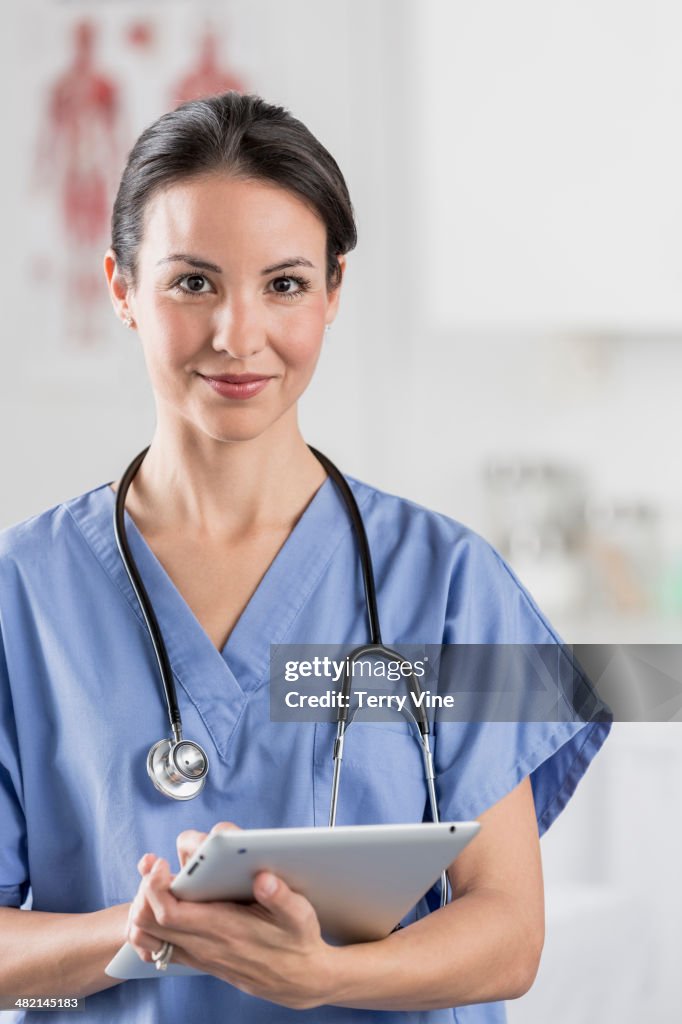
x,y
375,647
363,545
146,607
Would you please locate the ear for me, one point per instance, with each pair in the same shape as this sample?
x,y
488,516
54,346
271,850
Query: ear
x,y
120,291
333,304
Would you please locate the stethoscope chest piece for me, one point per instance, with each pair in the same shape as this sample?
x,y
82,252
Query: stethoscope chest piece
x,y
178,769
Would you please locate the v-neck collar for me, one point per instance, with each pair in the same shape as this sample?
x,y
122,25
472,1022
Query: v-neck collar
x,y
219,682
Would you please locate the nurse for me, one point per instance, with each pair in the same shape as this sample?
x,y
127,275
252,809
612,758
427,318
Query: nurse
x,y
230,232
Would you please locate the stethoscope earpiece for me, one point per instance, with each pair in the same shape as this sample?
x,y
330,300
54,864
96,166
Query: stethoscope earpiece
x,y
178,769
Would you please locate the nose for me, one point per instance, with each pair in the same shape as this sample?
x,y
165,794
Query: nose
x,y
238,331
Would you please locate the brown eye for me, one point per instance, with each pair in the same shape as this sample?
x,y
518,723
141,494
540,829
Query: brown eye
x,y
192,284
290,293
282,281
195,282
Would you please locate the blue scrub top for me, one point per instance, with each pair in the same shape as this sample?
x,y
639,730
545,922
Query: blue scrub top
x,y
81,704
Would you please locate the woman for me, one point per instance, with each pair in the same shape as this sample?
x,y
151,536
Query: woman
x,y
229,240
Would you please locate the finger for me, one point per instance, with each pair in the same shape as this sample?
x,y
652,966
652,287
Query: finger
x,y
289,907
144,943
141,916
156,910
146,863
187,844
189,841
224,826
140,912
144,946
169,912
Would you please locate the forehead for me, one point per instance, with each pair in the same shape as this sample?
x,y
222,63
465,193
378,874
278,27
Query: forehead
x,y
210,215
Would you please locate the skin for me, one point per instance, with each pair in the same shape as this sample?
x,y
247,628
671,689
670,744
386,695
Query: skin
x,y
226,471
215,465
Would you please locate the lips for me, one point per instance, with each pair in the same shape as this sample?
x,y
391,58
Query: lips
x,y
237,385
236,378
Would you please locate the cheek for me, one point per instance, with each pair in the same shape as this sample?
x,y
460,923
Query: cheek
x,y
298,359
302,354
300,345
171,338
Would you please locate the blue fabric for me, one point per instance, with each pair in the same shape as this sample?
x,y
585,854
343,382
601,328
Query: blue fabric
x,y
80,705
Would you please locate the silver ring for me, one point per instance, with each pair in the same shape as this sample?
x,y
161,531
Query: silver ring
x,y
162,957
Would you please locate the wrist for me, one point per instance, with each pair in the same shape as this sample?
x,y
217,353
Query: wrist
x,y
329,975
346,972
114,921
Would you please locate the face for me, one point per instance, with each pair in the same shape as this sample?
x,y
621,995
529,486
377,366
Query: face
x,y
231,281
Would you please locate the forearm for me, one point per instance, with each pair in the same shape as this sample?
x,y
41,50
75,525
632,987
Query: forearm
x,y
58,954
476,949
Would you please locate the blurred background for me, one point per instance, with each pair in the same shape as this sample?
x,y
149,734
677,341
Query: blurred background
x,y
508,352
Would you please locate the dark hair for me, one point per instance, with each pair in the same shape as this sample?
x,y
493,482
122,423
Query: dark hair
x,y
245,137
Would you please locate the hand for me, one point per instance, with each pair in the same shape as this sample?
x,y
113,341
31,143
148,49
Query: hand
x,y
190,840
272,948
187,844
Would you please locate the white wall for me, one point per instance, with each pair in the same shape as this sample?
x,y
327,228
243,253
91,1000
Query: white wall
x,y
71,417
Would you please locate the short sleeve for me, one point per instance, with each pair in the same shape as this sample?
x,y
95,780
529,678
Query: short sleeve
x,y
478,763
14,879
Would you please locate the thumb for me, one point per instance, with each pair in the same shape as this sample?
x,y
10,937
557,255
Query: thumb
x,y
267,888
292,909
224,826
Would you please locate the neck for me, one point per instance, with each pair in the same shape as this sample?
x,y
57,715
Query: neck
x,y
217,489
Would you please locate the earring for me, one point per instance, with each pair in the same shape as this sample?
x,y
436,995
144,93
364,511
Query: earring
x,y
327,327
128,321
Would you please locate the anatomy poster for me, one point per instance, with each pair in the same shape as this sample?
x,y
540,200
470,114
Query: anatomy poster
x,y
102,70
207,75
79,147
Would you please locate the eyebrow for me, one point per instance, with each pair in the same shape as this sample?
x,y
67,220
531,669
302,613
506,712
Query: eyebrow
x,y
200,264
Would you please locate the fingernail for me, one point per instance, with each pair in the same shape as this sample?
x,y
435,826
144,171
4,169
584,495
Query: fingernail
x,y
268,885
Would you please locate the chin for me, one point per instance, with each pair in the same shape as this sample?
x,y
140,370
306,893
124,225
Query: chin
x,y
235,432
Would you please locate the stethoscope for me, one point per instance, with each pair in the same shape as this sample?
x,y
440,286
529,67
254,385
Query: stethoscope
x,y
178,767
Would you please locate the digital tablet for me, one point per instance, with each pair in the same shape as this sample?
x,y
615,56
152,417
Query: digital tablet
x,y
361,879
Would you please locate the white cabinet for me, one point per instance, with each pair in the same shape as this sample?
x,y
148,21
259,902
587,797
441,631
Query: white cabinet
x,y
549,161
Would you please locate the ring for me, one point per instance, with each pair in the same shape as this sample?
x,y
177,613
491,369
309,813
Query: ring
x,y
162,957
